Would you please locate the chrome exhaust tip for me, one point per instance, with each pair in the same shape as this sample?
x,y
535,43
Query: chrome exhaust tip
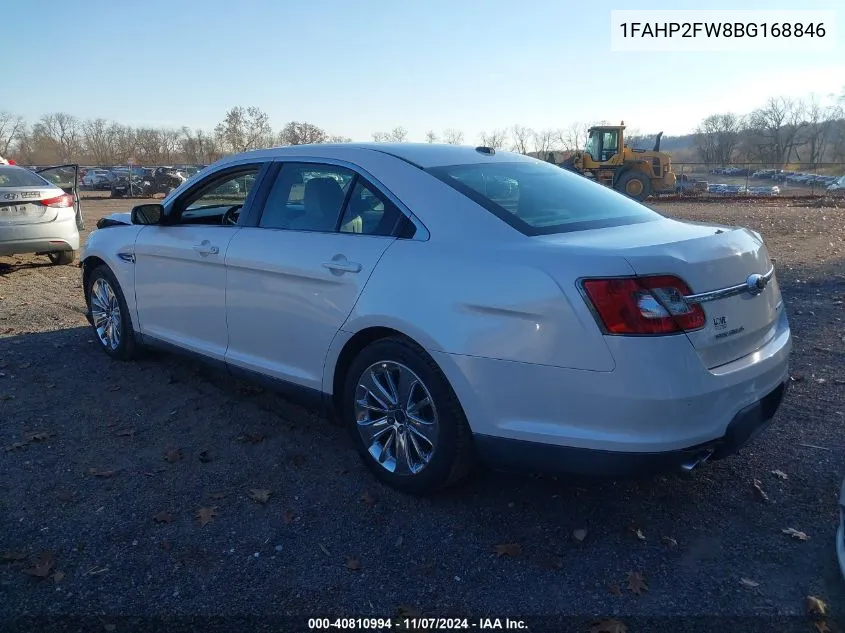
x,y
700,458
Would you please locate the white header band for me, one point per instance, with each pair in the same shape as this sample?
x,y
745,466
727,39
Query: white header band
x,y
743,31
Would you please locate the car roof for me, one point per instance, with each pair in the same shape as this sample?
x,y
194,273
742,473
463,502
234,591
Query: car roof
x,y
423,155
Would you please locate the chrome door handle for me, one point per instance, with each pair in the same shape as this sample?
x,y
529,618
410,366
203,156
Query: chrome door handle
x,y
206,249
343,266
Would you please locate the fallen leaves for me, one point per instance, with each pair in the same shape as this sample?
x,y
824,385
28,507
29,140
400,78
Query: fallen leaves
x,y
579,535
508,549
636,583
638,533
796,534
780,474
260,495
31,437
204,457
173,455
608,626
353,564
748,583
759,493
251,438
369,499
42,566
102,474
163,517
206,514
815,606
669,542
287,517
11,557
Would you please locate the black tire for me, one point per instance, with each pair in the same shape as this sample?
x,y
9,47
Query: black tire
x,y
61,258
127,347
637,182
453,456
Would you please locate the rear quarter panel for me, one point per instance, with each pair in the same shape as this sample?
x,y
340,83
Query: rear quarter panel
x,y
497,304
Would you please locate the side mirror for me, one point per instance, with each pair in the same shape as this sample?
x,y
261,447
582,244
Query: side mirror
x,y
147,214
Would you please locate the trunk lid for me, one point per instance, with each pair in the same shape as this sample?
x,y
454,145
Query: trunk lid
x,y
708,258
22,205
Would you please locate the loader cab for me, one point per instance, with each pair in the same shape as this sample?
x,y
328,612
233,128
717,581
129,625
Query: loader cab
x,y
604,142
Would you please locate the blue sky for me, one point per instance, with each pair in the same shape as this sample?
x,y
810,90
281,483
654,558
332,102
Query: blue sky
x,y
359,66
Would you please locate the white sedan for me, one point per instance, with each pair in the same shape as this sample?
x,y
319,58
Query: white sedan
x,y
447,303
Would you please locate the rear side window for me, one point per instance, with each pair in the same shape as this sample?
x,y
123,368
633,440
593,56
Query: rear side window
x,y
537,198
20,177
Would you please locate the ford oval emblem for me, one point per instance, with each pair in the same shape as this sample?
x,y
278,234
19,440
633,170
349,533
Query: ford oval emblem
x,y
756,283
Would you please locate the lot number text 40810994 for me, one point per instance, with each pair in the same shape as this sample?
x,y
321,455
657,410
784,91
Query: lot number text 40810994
x,y
416,624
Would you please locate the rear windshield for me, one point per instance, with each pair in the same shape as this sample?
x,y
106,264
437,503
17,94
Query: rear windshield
x,y
539,198
20,177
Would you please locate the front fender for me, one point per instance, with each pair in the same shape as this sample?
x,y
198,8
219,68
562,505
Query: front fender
x,y
115,247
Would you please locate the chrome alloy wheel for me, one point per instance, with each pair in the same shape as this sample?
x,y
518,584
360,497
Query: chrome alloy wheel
x,y
105,313
396,417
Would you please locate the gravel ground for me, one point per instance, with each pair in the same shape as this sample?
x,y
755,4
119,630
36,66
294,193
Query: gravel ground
x,y
109,465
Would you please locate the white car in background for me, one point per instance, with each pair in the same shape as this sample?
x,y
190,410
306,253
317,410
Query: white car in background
x,y
40,212
98,179
447,303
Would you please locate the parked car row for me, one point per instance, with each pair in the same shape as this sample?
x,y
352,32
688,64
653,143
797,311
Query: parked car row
x,y
780,175
738,190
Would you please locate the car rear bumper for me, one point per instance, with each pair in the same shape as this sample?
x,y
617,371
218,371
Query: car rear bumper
x,y
517,454
659,399
58,235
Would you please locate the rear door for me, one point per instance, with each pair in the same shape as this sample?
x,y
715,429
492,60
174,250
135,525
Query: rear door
x,y
295,274
67,178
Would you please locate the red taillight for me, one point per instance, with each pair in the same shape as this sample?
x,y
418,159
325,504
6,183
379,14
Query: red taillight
x,y
63,201
644,305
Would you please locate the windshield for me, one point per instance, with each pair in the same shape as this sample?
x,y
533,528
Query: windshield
x,y
537,198
20,177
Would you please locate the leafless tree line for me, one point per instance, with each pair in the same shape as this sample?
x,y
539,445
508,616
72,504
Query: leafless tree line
x,y
782,131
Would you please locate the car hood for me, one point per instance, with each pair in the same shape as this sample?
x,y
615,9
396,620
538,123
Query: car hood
x,y
121,218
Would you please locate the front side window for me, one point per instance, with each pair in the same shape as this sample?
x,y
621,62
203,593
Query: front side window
x,y
592,146
222,196
537,198
609,144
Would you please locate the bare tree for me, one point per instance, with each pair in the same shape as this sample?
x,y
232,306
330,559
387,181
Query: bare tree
x,y
717,138
573,137
497,139
198,147
58,136
819,126
543,142
775,129
99,141
521,136
11,127
453,136
243,129
430,137
339,139
302,133
396,135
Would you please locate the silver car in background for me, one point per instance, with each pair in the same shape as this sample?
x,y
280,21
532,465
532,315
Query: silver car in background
x,y
40,212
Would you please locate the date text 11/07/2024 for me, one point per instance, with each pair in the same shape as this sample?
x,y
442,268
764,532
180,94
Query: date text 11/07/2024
x,y
416,624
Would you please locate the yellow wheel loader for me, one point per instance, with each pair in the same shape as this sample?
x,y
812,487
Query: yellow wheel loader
x,y
638,173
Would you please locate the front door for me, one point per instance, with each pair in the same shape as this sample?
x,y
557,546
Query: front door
x,y
180,273
295,276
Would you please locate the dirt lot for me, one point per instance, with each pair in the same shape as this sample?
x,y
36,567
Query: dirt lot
x,y
109,463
